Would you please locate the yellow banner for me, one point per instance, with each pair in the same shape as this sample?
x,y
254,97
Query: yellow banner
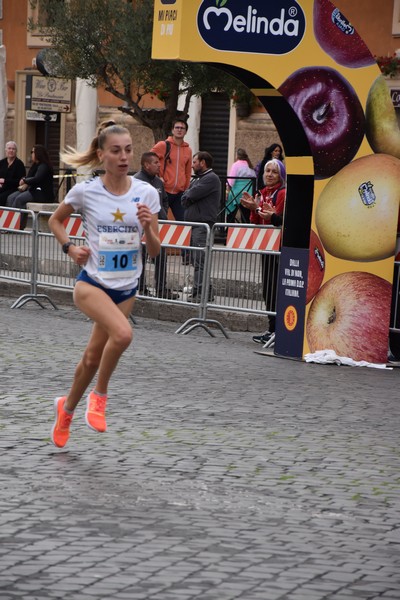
x,y
320,84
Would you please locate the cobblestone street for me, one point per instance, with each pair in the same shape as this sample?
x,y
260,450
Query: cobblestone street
x,y
223,475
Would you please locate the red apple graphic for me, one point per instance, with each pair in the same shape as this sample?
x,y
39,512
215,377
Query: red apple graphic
x,y
316,266
350,315
338,38
331,114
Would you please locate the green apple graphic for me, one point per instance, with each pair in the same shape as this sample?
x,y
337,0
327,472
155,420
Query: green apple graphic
x,y
382,129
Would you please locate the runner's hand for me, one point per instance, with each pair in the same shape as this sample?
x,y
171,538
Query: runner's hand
x,y
79,254
144,215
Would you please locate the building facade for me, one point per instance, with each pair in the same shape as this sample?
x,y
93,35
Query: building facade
x,y
377,23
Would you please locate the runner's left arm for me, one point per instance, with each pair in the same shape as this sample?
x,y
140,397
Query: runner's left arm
x,y
149,222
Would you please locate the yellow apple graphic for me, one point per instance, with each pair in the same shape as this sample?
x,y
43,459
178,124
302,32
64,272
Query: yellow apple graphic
x,y
382,128
357,210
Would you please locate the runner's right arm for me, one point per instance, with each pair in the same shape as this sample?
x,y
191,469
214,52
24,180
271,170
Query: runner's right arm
x,y
79,254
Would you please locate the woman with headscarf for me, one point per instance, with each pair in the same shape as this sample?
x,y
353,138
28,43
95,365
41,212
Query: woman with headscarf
x,y
267,209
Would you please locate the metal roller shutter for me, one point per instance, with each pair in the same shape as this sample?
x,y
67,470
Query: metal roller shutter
x,y
214,129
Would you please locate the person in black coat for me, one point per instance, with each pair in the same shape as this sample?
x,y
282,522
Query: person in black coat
x,y
12,169
150,169
37,186
201,201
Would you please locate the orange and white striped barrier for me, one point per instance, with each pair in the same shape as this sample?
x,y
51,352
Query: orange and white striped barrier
x,y
9,219
74,226
175,235
247,238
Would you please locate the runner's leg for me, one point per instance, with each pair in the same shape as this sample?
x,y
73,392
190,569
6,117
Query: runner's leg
x,y
111,335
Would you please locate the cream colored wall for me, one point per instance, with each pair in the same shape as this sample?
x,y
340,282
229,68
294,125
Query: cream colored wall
x,y
373,21
254,134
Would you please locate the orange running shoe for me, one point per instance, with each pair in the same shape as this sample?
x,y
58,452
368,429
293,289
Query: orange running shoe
x,y
60,430
95,415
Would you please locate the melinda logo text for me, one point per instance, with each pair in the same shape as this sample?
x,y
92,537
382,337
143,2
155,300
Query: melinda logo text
x,y
253,23
258,26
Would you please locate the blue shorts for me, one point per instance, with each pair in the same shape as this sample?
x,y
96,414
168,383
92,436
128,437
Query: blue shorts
x,y
117,296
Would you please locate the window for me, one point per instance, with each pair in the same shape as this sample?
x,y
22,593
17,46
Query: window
x,y
37,14
396,19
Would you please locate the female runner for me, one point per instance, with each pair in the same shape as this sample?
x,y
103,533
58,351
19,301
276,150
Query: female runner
x,y
116,210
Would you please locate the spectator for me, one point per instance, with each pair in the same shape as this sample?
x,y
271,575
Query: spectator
x,y
241,168
272,151
37,186
12,170
267,208
201,202
150,169
175,157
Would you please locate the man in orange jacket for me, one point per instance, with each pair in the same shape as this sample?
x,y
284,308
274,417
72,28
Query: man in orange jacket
x,y
175,157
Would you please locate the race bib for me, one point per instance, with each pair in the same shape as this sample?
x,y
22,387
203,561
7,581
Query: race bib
x,y
118,254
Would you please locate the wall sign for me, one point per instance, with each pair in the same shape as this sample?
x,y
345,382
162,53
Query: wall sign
x,y
48,94
395,95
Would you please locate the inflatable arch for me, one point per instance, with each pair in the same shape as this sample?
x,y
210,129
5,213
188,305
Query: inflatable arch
x,y
321,86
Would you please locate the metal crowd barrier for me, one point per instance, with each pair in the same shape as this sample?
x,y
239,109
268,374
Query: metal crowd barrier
x,y
55,269
237,274
19,254
34,257
182,258
240,273
230,209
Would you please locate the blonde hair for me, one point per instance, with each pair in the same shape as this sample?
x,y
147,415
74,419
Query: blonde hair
x,y
90,158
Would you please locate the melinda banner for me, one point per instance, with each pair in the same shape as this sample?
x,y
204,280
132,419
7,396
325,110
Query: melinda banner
x,y
321,86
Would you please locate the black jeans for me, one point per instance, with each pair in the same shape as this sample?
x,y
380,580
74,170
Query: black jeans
x,y
175,204
160,272
198,239
270,270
